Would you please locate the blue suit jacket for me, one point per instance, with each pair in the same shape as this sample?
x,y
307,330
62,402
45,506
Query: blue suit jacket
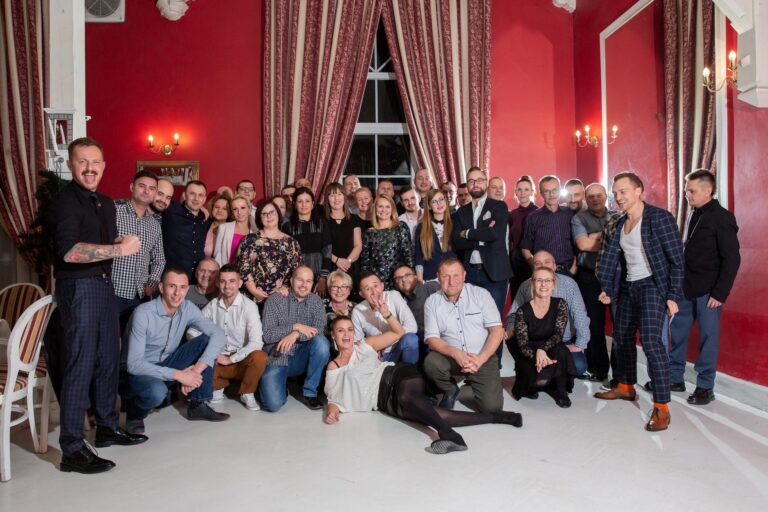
x,y
663,247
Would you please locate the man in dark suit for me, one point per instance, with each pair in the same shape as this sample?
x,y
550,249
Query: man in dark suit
x,y
649,249
711,262
479,233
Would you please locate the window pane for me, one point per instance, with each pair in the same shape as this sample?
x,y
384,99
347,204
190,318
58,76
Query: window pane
x,y
400,182
394,155
361,155
368,108
369,182
381,47
390,104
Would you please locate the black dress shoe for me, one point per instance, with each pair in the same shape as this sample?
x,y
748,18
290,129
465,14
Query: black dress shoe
x,y
312,402
85,461
106,436
563,402
597,377
201,411
533,395
449,399
678,387
701,396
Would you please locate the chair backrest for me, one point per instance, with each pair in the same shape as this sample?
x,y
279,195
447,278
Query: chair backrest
x,y
25,340
16,298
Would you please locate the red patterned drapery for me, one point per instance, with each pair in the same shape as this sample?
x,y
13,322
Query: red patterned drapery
x,y
690,109
21,113
441,51
316,55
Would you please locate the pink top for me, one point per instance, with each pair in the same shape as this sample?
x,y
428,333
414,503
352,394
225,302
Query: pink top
x,y
235,244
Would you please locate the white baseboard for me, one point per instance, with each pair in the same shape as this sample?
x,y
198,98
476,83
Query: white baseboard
x,y
748,393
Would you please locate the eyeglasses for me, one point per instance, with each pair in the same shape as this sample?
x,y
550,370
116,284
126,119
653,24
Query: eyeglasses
x,y
269,213
404,276
552,192
543,281
479,181
435,202
339,288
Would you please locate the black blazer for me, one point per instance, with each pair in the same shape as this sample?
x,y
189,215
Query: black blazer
x,y
494,252
711,253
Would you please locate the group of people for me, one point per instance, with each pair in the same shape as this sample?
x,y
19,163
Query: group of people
x,y
392,301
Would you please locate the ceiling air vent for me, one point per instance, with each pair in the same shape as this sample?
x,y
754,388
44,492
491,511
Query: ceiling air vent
x,y
104,11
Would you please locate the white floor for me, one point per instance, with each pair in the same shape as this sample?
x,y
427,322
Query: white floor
x,y
594,457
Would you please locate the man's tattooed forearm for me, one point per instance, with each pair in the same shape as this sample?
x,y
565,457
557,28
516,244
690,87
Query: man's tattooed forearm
x,y
90,253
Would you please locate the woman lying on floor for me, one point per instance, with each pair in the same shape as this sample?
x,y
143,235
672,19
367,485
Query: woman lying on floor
x,y
358,381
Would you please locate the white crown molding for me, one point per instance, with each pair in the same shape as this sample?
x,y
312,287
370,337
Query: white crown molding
x,y
568,5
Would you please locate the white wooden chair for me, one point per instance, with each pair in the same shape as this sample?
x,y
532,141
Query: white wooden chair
x,y
19,377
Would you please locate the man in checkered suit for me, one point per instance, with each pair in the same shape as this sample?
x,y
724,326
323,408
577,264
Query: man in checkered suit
x,y
649,253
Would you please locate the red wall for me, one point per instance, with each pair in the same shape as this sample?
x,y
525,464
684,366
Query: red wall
x,y
743,351
532,96
199,76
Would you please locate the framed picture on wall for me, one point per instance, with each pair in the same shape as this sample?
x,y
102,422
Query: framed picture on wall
x,y
179,172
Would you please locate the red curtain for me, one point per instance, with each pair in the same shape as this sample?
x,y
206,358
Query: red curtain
x,y
441,52
316,56
21,113
690,108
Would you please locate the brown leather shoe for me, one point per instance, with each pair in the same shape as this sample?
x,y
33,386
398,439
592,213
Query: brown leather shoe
x,y
617,394
659,420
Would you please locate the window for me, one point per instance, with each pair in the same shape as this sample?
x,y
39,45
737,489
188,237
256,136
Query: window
x,y
381,146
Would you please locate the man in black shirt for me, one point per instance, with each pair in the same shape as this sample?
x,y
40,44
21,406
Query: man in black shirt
x,y
85,240
711,262
185,227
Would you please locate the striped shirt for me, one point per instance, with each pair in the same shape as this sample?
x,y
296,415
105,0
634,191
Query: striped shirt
x,y
550,231
131,273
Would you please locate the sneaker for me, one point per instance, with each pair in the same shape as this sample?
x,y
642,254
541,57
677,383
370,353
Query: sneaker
x,y
250,402
201,411
443,446
218,396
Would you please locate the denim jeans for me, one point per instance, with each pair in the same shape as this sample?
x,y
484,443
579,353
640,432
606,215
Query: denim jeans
x,y
125,309
405,351
309,357
709,340
580,360
143,393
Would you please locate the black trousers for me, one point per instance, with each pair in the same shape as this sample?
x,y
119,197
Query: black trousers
x,y
598,361
87,354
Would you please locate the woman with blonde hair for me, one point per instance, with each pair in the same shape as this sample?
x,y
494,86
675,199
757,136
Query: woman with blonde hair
x,y
433,235
387,244
230,234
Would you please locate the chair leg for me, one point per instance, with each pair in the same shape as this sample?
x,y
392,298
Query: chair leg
x,y
45,409
31,416
5,440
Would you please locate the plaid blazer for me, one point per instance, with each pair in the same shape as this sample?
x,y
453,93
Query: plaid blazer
x,y
663,247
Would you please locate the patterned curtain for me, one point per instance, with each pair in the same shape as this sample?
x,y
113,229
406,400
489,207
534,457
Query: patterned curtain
x,y
441,52
21,112
690,109
316,55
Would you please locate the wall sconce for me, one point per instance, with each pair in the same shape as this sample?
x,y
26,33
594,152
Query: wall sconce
x,y
731,75
165,149
594,140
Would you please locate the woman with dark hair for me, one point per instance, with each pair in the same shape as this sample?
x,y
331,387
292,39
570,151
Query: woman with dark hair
x,y
433,235
346,235
542,360
221,211
358,381
524,192
311,232
364,201
387,244
267,258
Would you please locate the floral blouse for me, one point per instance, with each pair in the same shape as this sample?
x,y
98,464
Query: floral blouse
x,y
385,249
267,262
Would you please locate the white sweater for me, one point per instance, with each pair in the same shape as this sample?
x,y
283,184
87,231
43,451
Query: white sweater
x,y
355,387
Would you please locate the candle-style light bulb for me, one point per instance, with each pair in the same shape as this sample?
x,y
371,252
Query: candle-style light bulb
x,y
705,73
151,141
176,139
578,134
732,57
615,130
586,129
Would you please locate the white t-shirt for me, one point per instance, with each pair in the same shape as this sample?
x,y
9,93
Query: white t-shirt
x,y
355,387
632,245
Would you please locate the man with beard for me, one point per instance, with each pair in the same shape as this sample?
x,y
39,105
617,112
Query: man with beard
x,y
163,198
184,229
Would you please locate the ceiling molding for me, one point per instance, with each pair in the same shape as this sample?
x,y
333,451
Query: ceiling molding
x,y
568,5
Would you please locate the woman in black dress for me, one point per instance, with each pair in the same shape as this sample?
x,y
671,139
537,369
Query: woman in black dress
x,y
542,359
346,235
308,228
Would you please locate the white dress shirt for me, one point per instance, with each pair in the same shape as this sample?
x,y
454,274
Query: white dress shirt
x,y
368,322
240,322
475,257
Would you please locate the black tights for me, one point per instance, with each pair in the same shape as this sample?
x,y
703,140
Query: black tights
x,y
415,407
